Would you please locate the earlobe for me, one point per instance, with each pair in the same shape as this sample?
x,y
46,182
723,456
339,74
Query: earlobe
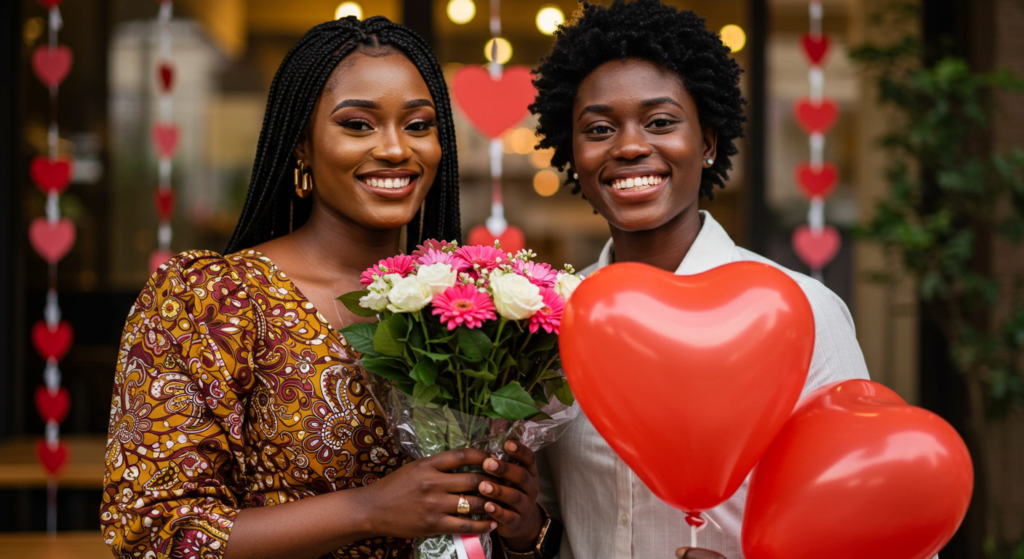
x,y
710,147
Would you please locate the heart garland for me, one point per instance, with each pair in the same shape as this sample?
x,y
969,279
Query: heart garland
x,y
52,241
815,47
511,239
53,406
166,138
816,118
50,175
816,249
165,73
52,458
51,65
493,105
816,182
52,343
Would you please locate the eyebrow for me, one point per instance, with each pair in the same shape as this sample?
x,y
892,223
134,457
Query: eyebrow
x,y
364,104
645,103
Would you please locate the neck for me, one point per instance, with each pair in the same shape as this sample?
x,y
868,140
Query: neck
x,y
340,247
663,247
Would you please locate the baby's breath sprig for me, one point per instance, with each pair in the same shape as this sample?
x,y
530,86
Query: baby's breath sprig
x,y
525,255
569,269
450,248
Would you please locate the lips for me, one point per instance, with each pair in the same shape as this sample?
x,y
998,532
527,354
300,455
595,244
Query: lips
x,y
393,184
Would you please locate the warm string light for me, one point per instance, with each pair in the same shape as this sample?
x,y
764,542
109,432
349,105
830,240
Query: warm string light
x,y
548,19
503,47
734,37
346,9
461,12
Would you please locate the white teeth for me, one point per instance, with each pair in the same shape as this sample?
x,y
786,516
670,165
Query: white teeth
x,y
388,183
400,182
633,182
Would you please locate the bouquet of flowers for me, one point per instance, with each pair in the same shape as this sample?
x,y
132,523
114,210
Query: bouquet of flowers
x,y
465,351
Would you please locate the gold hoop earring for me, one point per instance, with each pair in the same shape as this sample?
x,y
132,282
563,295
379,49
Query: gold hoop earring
x,y
303,179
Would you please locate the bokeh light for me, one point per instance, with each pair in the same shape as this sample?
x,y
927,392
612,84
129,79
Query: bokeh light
x,y
461,11
734,37
346,9
541,159
522,140
504,50
546,182
548,19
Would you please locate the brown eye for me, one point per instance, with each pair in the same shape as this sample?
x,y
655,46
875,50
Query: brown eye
x,y
357,125
600,129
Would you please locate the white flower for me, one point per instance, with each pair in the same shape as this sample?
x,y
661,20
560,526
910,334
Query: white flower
x,y
377,298
408,294
566,284
515,297
438,277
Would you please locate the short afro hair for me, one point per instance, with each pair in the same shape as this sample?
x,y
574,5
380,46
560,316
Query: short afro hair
x,y
647,29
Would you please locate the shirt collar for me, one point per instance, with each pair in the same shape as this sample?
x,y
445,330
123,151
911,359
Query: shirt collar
x,y
711,248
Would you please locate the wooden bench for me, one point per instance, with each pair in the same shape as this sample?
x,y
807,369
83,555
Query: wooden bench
x,y
19,468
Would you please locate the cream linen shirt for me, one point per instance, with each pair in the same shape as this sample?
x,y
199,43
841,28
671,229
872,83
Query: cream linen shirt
x,y
607,511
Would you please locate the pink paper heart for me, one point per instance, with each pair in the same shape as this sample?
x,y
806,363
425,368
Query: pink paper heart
x,y
165,74
51,65
816,250
50,175
52,241
493,106
815,48
165,136
157,258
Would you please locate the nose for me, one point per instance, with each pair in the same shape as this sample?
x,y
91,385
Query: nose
x,y
630,144
392,148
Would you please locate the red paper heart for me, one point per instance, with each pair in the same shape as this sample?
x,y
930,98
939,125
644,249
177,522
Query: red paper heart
x,y
165,136
52,241
815,48
816,117
50,4
165,75
493,106
51,65
512,240
816,183
165,204
52,459
52,344
856,472
53,407
816,250
157,258
671,368
50,175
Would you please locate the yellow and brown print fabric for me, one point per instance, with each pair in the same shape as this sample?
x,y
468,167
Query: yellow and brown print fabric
x,y
231,391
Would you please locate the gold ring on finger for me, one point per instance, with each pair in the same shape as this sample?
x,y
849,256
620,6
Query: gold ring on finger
x,y
463,505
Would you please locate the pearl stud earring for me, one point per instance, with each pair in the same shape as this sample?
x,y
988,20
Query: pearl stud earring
x,y
709,161
574,175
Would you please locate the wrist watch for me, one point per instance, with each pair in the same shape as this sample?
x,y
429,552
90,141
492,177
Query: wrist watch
x,y
548,542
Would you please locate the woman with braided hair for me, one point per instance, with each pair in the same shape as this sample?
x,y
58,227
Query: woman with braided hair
x,y
240,424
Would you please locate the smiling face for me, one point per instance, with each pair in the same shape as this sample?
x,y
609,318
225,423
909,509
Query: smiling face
x,y
638,146
372,143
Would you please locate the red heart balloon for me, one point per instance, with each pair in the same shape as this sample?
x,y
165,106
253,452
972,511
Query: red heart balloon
x,y
51,175
52,241
165,75
816,250
50,4
493,106
52,459
815,47
165,204
53,406
688,378
512,240
165,137
51,65
816,182
816,117
157,258
856,472
52,344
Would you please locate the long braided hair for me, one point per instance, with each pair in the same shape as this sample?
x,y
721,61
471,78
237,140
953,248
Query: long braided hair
x,y
268,211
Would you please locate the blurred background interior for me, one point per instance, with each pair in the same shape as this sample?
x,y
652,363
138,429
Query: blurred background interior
x,y
226,53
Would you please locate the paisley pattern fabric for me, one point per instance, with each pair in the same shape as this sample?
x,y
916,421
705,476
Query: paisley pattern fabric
x,y
230,392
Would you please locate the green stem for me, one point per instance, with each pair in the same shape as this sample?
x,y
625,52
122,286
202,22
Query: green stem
x,y
523,348
497,337
540,375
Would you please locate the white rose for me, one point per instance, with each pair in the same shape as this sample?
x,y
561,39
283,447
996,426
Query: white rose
x,y
438,277
408,294
566,284
515,297
377,298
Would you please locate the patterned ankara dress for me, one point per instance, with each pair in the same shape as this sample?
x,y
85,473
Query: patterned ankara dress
x,y
231,391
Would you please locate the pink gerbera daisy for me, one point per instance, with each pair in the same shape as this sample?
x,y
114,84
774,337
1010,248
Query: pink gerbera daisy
x,y
550,317
538,273
464,305
429,244
401,265
488,258
431,256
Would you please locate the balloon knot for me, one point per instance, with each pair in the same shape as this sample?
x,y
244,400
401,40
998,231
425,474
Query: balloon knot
x,y
694,519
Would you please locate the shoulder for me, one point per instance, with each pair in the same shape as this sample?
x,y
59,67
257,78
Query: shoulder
x,y
203,278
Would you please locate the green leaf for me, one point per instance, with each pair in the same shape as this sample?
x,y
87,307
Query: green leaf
x,y
416,339
385,367
564,394
437,357
424,394
542,342
385,340
406,387
360,336
351,302
486,375
512,402
474,344
425,372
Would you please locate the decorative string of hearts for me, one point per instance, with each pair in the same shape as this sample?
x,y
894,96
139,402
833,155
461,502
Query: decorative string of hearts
x,y
816,183
165,138
165,74
512,239
165,200
50,175
815,47
51,65
816,250
52,241
53,406
52,459
816,117
493,105
52,343
50,4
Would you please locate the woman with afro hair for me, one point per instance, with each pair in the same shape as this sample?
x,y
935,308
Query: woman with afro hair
x,y
642,106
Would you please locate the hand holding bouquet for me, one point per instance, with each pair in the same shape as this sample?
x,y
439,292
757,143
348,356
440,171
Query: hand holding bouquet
x,y
468,338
